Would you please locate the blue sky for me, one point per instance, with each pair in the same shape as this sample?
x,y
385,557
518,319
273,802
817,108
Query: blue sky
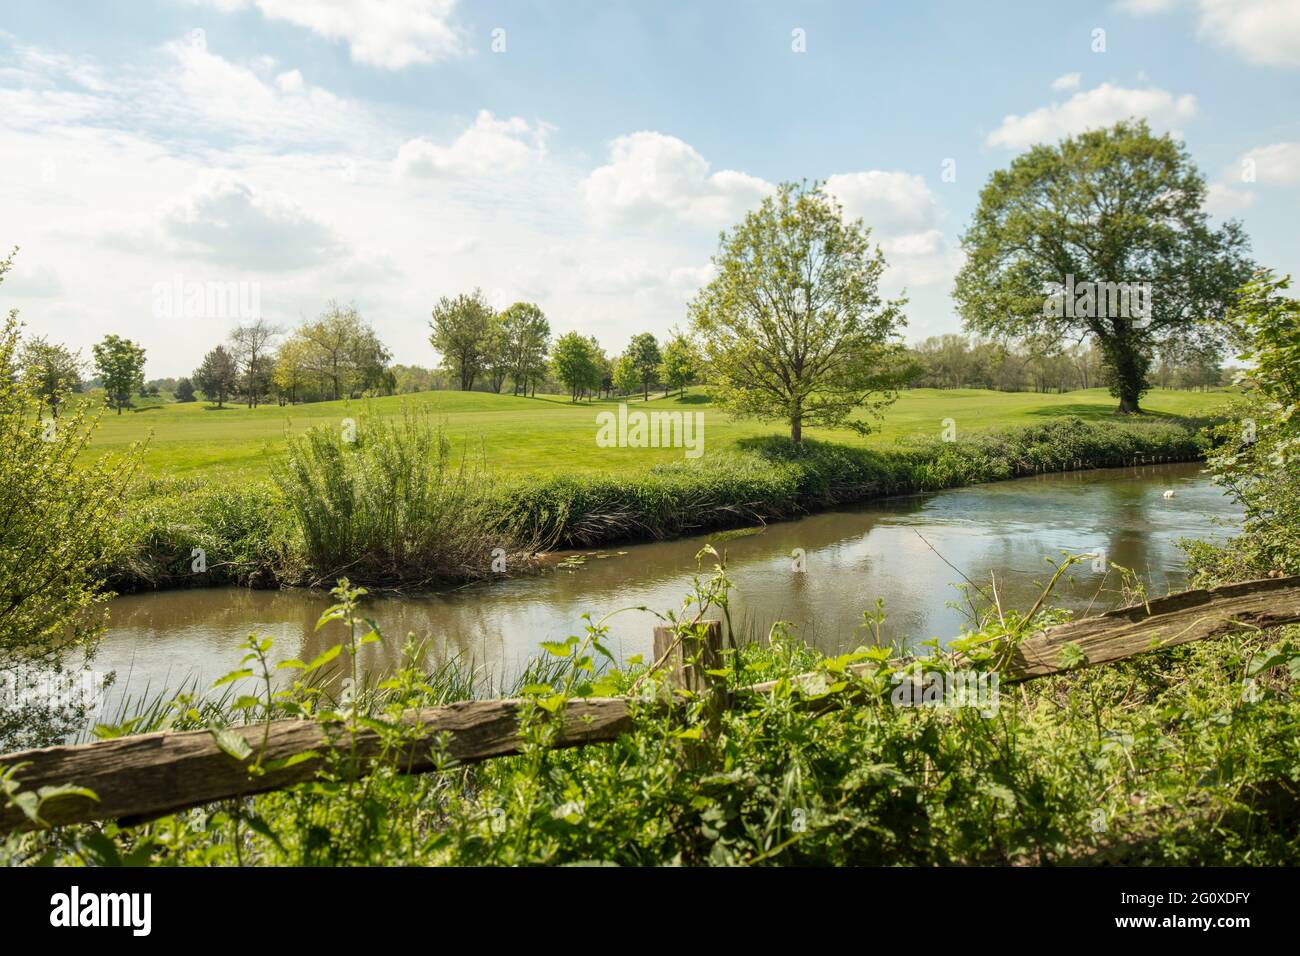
x,y
387,154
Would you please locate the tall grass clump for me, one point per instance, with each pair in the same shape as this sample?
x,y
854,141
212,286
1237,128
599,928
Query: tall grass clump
x,y
390,506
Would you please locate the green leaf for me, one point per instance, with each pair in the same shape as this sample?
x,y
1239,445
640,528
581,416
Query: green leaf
x,y
232,676
324,658
231,743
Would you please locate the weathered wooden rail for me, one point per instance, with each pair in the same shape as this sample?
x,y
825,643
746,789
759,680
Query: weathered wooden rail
x,y
150,775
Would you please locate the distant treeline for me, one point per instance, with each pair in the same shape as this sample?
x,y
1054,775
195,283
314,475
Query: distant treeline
x,y
960,361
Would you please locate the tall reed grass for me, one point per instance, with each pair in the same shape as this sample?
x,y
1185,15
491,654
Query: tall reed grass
x,y
392,507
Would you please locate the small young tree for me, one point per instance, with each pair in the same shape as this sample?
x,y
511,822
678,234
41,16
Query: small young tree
x,y
680,363
627,377
50,370
250,345
120,364
644,353
574,361
217,377
793,327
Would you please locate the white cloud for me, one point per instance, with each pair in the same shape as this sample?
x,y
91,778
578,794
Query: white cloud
x,y
1144,7
1278,164
636,276
892,203
202,89
489,146
289,82
29,280
1067,81
904,214
1102,106
1266,32
652,177
227,222
1223,200
1262,31
389,34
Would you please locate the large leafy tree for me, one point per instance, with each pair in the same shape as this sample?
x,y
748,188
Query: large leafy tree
x,y
218,376
50,369
462,330
1116,205
344,352
120,364
793,328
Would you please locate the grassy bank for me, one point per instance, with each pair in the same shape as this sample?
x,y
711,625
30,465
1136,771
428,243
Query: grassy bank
x,y
382,512
526,436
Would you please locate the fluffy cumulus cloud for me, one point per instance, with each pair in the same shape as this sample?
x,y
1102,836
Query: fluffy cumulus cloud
x,y
226,222
904,215
391,35
490,146
1262,31
654,177
638,277
1224,200
1266,32
892,203
1275,165
1067,81
1101,106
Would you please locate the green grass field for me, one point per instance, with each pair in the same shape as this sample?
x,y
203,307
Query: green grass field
x,y
548,433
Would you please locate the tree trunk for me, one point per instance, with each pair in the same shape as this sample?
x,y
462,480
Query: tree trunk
x,y
796,428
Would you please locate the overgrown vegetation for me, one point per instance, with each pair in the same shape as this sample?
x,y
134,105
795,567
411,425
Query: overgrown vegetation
x,y
57,522
1163,759
1258,455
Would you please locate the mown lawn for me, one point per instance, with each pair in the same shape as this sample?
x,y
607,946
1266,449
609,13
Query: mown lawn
x,y
548,433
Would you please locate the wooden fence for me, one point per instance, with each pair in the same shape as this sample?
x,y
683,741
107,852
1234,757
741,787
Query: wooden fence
x,y
150,775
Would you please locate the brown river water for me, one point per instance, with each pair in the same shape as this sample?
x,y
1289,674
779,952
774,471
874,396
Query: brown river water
x,y
908,551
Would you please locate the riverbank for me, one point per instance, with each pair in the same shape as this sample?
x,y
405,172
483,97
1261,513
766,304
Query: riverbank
x,y
190,532
1178,757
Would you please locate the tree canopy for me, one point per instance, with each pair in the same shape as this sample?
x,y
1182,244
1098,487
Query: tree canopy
x,y
1104,236
793,328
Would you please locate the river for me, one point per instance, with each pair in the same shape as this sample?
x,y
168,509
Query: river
x,y
909,551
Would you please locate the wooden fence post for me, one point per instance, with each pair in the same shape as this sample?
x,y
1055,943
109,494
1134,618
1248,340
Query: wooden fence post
x,y
687,666
689,660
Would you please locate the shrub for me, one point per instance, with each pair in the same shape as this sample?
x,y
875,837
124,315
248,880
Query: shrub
x,y
391,507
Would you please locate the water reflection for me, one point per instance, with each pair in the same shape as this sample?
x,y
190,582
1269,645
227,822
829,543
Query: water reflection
x,y
908,551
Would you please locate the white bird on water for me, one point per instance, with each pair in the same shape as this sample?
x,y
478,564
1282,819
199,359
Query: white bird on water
x,y
1169,493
